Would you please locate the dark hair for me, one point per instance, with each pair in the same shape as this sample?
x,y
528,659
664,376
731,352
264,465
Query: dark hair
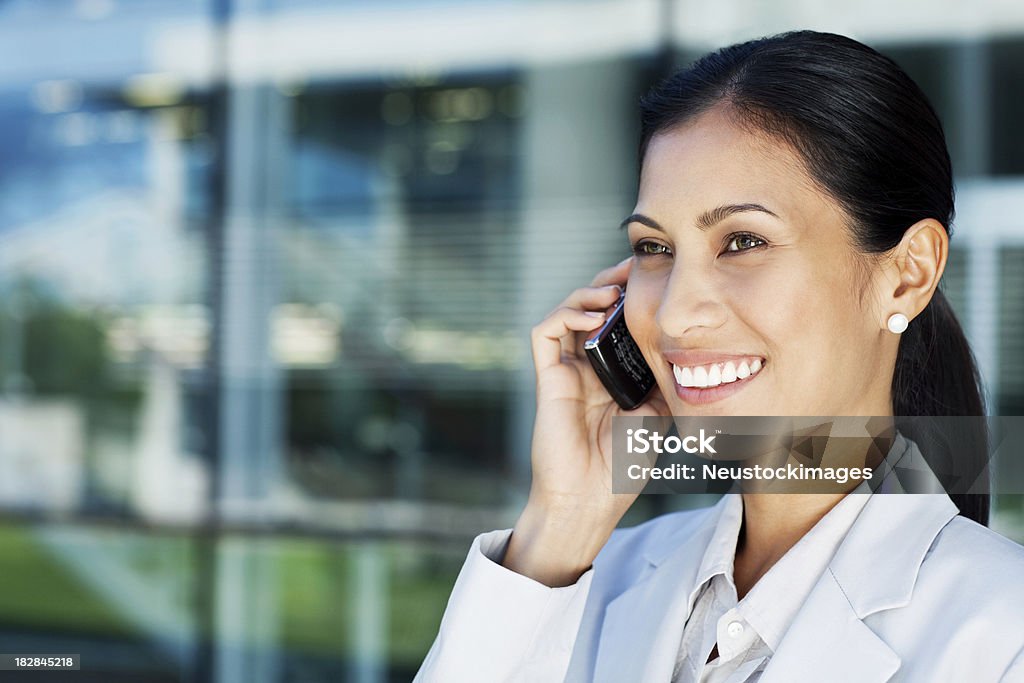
x,y
869,137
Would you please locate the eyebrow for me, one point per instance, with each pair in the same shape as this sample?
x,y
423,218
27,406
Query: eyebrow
x,y
705,221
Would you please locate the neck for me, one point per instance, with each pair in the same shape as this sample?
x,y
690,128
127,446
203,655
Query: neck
x,y
772,524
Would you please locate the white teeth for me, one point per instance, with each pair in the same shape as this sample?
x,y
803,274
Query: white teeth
x,y
729,372
715,374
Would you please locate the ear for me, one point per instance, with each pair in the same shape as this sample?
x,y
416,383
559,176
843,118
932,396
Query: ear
x,y
917,263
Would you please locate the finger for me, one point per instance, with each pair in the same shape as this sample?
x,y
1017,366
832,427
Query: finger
x,y
548,335
602,299
593,298
616,275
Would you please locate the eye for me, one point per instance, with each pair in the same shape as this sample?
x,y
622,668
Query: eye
x,y
648,248
744,241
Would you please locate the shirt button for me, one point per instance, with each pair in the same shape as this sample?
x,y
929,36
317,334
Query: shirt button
x,y
734,629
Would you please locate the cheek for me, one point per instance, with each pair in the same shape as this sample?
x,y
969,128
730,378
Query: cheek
x,y
644,294
777,294
807,316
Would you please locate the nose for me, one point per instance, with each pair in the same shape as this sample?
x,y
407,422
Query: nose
x,y
690,301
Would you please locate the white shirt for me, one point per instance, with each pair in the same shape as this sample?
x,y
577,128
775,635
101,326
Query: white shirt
x,y
748,631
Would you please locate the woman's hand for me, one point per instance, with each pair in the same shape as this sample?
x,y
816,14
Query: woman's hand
x,y
571,510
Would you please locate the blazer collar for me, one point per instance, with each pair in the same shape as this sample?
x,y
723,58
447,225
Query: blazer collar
x,y
643,626
878,562
875,568
716,528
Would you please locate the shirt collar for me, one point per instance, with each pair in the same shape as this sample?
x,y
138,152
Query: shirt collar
x,y
721,549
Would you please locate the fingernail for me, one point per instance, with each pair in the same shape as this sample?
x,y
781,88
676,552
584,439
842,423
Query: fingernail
x,y
614,287
595,314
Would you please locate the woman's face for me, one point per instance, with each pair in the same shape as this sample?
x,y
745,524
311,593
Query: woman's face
x,y
746,277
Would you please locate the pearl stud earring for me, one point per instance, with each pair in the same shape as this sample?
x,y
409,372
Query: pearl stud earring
x,y
897,323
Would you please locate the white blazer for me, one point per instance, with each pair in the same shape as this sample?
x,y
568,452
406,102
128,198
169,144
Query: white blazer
x,y
915,593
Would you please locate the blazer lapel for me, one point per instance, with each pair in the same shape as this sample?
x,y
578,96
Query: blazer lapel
x,y
643,626
874,569
828,642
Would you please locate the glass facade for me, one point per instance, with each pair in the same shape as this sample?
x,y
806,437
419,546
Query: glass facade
x,y
267,272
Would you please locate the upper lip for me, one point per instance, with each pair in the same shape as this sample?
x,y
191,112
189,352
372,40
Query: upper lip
x,y
693,357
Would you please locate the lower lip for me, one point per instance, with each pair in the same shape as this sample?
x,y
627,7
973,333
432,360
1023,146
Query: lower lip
x,y
699,396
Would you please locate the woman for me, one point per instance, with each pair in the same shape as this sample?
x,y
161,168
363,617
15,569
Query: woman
x,y
793,213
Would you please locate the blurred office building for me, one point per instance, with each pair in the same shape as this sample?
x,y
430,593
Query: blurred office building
x,y
267,274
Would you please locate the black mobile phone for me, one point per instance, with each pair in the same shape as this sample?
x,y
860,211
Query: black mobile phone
x,y
617,360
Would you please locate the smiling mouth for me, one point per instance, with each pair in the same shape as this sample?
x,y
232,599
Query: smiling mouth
x,y
716,374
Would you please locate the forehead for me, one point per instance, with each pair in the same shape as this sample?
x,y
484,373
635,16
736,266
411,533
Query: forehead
x,y
713,161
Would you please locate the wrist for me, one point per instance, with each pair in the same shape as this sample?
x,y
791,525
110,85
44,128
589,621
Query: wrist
x,y
555,547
